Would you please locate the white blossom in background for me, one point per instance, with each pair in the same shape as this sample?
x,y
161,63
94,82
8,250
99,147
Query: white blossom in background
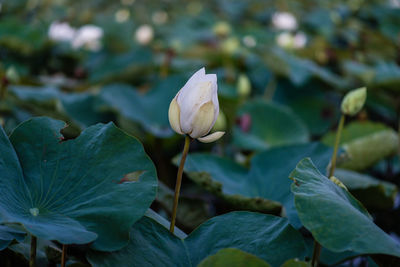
x,y
89,37
300,40
144,34
284,21
61,32
249,41
159,17
395,3
291,41
122,15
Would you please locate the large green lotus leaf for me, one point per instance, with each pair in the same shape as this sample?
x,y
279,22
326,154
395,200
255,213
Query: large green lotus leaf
x,y
149,110
232,257
295,263
70,191
335,218
108,67
266,180
365,143
81,108
373,193
8,234
268,237
270,125
300,70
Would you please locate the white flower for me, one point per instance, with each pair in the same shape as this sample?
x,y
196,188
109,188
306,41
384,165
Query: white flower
x,y
290,41
88,36
159,17
195,107
61,32
122,15
144,34
249,41
284,21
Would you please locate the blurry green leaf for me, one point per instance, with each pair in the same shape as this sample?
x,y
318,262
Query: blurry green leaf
x,y
261,187
8,234
387,74
192,211
373,193
105,67
268,237
150,109
335,218
300,70
69,191
365,143
232,257
295,263
269,125
81,108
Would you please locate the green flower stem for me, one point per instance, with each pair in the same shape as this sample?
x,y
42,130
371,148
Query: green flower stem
x,y
336,147
317,246
179,182
32,259
63,255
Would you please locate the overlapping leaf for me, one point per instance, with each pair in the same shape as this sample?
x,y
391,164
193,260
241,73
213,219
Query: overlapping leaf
x,y
266,180
335,218
70,191
269,125
268,237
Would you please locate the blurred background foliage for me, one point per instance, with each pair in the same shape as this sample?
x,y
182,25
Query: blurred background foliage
x,y
282,66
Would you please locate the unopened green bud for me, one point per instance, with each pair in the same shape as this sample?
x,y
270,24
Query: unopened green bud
x,y
243,85
222,28
354,101
230,45
12,74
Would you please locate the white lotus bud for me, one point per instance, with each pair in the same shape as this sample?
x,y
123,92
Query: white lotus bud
x,y
195,107
354,101
144,34
284,21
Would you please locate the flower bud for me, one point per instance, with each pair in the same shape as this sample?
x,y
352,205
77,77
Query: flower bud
x,y
354,101
195,107
222,28
243,85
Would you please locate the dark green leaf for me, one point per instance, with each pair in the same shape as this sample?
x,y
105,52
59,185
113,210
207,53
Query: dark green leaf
x,y
270,125
268,237
232,257
335,218
70,191
266,180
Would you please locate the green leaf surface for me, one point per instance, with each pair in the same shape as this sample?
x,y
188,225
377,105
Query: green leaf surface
x,y
365,143
335,218
232,257
270,125
81,108
70,191
265,236
266,180
295,263
373,193
8,234
149,110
